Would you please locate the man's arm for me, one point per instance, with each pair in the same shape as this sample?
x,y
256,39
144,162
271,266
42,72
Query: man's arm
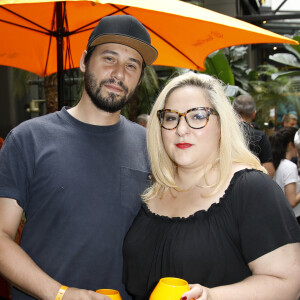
x,y
20,269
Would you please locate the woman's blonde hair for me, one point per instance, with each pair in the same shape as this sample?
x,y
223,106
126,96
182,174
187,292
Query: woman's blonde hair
x,y
233,148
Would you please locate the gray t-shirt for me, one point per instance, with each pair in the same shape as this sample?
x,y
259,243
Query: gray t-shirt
x,y
80,187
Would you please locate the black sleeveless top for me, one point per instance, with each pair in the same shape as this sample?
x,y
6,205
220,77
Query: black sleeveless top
x,y
210,247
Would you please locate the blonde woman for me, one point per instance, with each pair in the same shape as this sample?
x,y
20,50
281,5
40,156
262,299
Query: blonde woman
x,y
211,216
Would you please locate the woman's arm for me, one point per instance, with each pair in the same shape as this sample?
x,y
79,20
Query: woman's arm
x,y
275,276
290,193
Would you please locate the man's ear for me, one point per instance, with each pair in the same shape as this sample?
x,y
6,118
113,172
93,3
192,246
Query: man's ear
x,y
82,63
253,115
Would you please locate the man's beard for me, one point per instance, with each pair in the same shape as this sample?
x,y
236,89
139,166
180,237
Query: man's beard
x,y
110,103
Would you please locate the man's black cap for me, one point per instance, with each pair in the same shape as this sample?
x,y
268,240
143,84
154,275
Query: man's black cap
x,y
125,30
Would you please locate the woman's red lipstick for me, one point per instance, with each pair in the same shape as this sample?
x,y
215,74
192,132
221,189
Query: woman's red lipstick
x,y
183,145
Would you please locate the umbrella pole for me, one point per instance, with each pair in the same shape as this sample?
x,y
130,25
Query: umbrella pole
x,y
60,68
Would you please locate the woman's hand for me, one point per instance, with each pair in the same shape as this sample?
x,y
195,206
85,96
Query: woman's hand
x,y
198,292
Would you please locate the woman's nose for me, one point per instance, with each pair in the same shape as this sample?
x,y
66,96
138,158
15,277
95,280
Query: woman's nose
x,y
183,127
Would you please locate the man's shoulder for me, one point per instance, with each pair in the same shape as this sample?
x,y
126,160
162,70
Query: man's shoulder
x,y
133,126
36,124
259,132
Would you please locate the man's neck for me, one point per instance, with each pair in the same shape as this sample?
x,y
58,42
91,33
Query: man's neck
x,y
85,111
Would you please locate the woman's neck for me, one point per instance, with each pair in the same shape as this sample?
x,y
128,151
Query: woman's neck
x,y
187,179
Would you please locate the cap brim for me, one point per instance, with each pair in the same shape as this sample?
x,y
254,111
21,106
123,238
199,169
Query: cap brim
x,y
148,52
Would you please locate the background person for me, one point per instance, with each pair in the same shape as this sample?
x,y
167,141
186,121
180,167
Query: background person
x,y
78,175
286,175
211,216
142,119
258,142
297,144
289,120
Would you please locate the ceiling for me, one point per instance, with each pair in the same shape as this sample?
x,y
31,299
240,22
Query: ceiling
x,y
279,16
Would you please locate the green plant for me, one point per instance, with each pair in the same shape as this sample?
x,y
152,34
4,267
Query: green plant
x,y
269,92
290,61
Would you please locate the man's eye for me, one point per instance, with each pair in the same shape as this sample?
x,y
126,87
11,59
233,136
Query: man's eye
x,y
109,58
131,67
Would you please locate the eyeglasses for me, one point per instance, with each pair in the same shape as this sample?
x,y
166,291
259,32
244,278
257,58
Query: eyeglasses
x,y
196,118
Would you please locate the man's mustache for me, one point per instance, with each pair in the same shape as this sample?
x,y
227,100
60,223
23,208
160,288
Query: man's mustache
x,y
113,81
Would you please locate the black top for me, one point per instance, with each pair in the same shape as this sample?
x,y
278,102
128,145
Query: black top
x,y
258,143
210,247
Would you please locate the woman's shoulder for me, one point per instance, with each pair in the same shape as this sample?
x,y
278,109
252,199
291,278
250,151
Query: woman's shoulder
x,y
250,180
286,163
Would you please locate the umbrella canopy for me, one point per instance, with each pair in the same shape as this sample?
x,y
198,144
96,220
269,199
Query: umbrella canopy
x,y
44,37
184,34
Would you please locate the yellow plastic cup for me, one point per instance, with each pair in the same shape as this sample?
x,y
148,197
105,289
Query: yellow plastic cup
x,y
113,294
169,288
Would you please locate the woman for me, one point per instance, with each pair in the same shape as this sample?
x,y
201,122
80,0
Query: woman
x,y
286,173
212,216
297,144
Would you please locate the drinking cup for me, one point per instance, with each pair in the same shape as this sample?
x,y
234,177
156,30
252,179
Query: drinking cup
x,y
113,294
169,288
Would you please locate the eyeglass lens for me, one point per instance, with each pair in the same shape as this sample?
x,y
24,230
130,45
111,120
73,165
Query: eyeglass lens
x,y
196,119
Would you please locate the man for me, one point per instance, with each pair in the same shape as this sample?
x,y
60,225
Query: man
x,y
142,119
78,175
289,120
258,142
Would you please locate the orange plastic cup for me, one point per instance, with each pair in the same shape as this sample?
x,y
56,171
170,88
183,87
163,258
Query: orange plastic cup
x,y
169,288
113,294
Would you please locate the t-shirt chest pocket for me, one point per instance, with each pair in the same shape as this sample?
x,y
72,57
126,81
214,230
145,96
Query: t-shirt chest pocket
x,y
133,184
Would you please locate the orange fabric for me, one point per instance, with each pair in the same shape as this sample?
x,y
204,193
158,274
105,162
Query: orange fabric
x,y
184,34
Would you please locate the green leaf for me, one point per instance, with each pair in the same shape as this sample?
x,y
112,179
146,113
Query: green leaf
x,y
217,64
283,73
285,58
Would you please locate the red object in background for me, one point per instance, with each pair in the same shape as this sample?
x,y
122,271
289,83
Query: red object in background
x,y
4,289
1,142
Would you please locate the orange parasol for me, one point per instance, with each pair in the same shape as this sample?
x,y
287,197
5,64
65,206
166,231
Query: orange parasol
x,y
44,36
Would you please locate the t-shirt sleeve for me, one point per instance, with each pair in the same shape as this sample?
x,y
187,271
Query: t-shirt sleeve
x,y
264,216
290,172
13,182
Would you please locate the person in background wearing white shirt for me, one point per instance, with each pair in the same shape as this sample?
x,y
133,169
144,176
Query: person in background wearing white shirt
x,y
286,173
297,144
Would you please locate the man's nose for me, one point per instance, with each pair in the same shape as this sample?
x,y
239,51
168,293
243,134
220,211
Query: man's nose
x,y
118,72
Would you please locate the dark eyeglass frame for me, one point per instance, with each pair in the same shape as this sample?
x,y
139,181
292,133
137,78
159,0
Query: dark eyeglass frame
x,y
209,110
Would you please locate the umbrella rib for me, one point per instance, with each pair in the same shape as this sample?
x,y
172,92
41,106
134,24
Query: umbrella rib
x,y
21,17
22,26
158,35
50,40
84,28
